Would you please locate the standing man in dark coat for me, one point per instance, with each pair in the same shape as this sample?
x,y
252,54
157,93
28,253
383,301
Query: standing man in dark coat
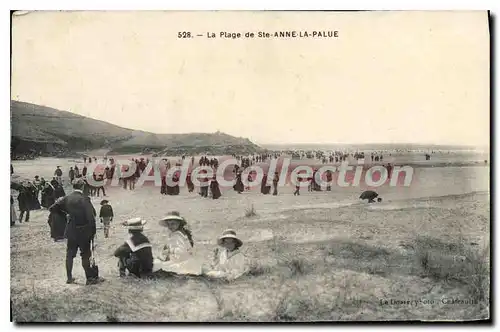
x,y
80,231
34,204
25,202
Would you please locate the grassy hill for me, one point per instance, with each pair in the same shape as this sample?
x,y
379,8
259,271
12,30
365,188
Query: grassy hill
x,y
44,130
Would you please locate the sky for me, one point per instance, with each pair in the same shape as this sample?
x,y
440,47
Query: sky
x,y
389,77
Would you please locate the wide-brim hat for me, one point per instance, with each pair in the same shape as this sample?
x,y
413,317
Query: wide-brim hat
x,y
170,217
104,201
229,234
135,224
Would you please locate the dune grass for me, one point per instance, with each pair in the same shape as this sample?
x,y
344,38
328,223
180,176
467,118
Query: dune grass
x,y
455,262
287,288
343,278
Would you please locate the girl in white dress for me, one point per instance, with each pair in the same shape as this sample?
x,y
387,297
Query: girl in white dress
x,y
177,254
229,263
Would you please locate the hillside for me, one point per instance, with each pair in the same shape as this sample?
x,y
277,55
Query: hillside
x,y
43,130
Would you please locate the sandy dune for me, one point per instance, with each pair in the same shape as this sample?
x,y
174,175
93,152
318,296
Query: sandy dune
x,y
318,256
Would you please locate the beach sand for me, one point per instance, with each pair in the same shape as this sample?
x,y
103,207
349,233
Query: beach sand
x,y
318,256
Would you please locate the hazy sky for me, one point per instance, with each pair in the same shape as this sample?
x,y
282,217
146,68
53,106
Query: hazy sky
x,y
395,77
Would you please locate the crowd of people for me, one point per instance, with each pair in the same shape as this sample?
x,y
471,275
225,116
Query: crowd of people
x,y
34,195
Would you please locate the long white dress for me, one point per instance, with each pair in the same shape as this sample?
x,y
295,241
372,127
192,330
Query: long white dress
x,y
228,265
177,256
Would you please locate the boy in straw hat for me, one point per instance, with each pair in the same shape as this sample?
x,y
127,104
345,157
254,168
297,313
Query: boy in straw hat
x,y
106,215
136,254
229,263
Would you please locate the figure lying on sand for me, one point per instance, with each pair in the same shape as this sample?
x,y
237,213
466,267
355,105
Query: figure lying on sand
x,y
370,195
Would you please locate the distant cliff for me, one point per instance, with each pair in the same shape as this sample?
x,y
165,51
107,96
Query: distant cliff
x,y
39,130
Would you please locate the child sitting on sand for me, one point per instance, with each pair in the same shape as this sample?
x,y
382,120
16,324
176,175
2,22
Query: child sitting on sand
x,y
229,263
135,255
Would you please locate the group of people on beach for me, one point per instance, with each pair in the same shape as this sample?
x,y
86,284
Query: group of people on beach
x,y
73,218
135,255
34,195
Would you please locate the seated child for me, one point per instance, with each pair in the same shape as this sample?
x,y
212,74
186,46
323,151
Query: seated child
x,y
229,263
135,255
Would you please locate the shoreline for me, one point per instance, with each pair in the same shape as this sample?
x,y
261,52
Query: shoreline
x,y
309,162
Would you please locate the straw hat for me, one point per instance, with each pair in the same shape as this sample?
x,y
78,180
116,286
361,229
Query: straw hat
x,y
135,224
229,234
172,216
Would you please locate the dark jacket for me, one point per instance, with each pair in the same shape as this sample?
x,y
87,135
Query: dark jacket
x,y
106,211
93,209
59,191
48,196
81,216
86,189
138,253
57,222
